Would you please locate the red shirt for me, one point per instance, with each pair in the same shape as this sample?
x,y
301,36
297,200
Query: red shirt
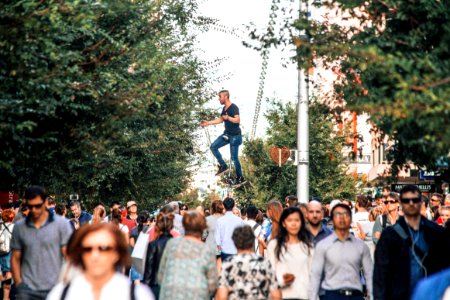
x,y
130,223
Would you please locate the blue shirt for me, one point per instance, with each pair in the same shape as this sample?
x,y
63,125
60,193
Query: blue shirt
x,y
84,218
224,230
417,271
323,233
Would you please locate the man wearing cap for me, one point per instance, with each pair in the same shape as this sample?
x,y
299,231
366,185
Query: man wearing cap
x,y
131,219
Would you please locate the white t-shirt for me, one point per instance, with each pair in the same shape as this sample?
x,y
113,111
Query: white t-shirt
x,y
256,232
116,288
7,229
294,260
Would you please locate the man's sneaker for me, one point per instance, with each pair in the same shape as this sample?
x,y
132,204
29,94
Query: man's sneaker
x,y
222,169
239,181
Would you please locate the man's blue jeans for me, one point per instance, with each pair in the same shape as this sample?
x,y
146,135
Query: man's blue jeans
x,y
234,141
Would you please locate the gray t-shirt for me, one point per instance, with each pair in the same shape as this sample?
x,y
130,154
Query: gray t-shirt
x,y
41,250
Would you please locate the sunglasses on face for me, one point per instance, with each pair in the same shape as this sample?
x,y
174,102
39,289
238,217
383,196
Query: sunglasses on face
x,y
389,202
408,200
101,248
31,206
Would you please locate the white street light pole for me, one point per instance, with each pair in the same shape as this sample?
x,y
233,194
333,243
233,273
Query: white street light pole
x,y
303,130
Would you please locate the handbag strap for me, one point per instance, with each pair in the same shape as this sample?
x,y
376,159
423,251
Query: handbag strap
x,y
132,291
65,290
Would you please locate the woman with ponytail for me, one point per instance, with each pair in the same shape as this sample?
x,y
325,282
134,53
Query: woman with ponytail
x,y
164,224
290,253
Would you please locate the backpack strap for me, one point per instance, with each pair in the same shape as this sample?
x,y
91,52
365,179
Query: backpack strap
x,y
7,228
254,229
400,231
65,290
132,291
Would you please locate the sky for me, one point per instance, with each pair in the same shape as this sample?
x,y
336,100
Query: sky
x,y
244,64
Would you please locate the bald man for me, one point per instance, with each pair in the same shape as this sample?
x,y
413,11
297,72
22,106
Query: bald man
x,y
315,225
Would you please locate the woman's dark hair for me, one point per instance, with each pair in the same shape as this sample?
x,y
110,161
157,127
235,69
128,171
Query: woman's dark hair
x,y
243,238
116,216
142,218
74,248
303,234
164,224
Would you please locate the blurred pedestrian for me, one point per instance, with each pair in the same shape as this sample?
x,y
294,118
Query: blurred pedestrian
x,y
224,230
412,249
38,247
290,253
6,229
316,227
389,218
188,266
99,250
78,214
155,250
247,275
338,261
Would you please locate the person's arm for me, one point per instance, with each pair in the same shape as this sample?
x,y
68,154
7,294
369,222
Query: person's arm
x,y
367,264
205,123
149,261
163,263
376,232
317,267
236,119
211,271
16,258
275,294
222,293
217,236
381,268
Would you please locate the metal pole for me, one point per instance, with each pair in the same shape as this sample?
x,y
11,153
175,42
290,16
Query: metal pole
x,y
303,132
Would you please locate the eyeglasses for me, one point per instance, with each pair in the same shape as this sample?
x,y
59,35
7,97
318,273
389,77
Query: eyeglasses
x,y
342,214
408,200
30,206
389,202
101,248
435,200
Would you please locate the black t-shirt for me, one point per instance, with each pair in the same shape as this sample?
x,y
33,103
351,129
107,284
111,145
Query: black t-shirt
x,y
230,127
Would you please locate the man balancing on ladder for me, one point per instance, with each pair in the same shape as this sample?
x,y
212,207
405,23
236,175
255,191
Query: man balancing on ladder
x,y
232,136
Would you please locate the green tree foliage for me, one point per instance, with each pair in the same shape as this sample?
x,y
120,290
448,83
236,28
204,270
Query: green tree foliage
x,y
328,179
395,65
99,98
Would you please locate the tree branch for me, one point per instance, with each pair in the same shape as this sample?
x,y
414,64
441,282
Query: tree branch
x,y
420,88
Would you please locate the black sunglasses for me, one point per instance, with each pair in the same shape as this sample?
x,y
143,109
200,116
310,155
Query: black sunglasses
x,y
389,202
101,248
408,200
30,206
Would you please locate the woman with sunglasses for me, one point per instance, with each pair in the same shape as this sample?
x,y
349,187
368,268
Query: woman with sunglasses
x,y
391,204
99,250
291,253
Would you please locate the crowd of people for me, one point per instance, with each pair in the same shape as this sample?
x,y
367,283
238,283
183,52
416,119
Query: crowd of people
x,y
397,247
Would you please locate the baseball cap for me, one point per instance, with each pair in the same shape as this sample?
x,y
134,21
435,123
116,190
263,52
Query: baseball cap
x,y
131,203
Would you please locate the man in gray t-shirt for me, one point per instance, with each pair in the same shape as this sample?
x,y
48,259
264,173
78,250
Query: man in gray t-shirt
x,y
38,246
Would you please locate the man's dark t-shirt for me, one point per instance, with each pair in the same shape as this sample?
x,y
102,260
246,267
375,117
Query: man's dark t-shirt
x,y
230,127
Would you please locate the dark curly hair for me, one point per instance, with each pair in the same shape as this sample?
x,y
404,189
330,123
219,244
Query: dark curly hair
x,y
243,237
303,235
